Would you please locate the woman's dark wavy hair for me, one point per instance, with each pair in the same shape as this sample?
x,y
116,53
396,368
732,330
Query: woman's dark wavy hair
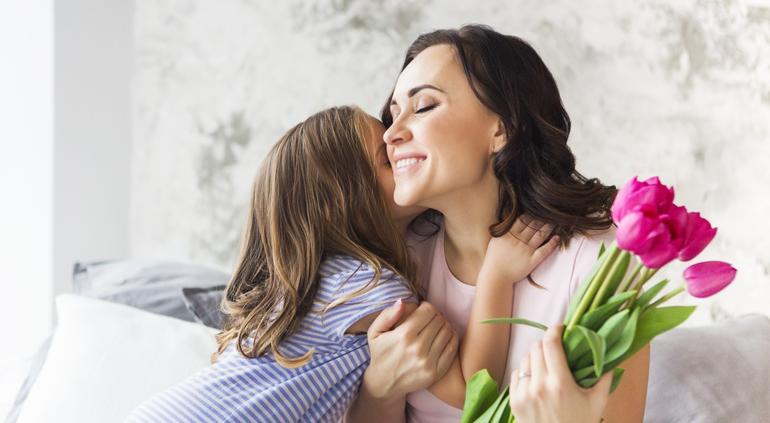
x,y
536,168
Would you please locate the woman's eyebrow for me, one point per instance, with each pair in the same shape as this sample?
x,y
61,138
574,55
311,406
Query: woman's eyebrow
x,y
416,90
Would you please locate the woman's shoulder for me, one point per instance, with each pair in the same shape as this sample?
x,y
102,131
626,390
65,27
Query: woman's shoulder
x,y
572,261
586,251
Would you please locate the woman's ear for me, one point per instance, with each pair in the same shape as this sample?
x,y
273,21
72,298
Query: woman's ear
x,y
499,138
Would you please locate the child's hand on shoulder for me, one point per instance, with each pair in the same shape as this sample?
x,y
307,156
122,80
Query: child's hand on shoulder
x,y
512,257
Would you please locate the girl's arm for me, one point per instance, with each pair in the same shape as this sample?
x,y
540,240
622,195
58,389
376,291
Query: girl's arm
x,y
509,258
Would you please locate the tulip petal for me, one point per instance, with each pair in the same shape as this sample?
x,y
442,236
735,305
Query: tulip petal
x,y
698,236
707,278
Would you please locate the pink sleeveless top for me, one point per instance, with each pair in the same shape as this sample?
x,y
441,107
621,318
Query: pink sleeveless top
x,y
560,274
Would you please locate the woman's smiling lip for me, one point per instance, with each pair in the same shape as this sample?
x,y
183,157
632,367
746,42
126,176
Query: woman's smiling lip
x,y
406,162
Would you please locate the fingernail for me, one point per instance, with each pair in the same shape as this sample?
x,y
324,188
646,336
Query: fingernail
x,y
398,302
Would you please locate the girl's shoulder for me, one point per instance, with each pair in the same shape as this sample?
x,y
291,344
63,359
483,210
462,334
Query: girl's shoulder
x,y
335,266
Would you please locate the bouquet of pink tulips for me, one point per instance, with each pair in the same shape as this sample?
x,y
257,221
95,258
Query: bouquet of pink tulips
x,y
610,318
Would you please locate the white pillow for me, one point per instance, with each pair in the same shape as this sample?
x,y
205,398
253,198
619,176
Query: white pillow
x,y
106,358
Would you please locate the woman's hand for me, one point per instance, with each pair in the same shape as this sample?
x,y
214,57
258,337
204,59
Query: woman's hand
x,y
413,355
544,391
512,257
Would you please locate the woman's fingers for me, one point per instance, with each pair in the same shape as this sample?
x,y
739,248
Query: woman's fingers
x,y
553,352
537,361
428,334
447,354
437,342
519,382
418,320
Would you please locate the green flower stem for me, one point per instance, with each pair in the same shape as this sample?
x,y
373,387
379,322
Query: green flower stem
x,y
667,297
647,274
594,286
628,282
607,281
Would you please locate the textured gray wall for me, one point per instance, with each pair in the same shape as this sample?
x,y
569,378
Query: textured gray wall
x,y
680,91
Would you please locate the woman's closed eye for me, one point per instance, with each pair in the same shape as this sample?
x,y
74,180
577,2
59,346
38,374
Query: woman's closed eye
x,y
426,108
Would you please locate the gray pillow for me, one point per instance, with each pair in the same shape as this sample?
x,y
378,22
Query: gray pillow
x,y
714,373
204,304
151,285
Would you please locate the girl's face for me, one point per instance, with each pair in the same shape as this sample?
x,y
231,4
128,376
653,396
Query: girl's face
x,y
442,138
382,167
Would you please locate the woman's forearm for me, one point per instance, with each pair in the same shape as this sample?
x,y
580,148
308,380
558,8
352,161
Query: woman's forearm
x,y
370,408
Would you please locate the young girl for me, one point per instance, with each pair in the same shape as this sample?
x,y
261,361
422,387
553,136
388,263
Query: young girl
x,y
321,257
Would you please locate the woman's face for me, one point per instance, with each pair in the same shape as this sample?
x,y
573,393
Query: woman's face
x,y
442,138
382,167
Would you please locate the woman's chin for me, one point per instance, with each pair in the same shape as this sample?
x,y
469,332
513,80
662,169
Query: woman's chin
x,y
405,199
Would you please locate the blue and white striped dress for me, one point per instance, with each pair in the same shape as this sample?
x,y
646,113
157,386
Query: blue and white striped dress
x,y
239,389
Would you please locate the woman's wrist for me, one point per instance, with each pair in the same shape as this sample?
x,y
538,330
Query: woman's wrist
x,y
378,388
374,405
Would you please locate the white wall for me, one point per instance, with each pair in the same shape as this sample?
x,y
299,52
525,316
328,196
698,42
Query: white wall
x,y
93,62
676,89
26,174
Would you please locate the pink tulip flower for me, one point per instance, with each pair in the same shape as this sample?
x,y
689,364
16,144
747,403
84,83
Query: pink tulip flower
x,y
709,277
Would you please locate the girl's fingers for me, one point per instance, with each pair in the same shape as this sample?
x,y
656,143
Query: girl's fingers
x,y
541,235
541,253
529,230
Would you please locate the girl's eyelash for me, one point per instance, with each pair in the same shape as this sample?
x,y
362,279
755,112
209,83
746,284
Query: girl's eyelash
x,y
426,108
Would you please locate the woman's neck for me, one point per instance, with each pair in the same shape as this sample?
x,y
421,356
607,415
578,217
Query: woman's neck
x,y
468,214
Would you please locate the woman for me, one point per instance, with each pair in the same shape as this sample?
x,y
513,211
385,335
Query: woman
x,y
477,133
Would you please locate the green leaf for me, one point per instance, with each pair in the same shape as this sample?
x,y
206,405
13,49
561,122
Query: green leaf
x,y
596,344
503,409
594,318
584,372
613,327
581,291
575,345
653,322
588,382
491,414
516,321
480,394
601,250
609,332
617,374
651,293
618,348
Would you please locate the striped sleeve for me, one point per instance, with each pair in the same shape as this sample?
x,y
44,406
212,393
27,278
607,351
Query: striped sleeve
x,y
375,297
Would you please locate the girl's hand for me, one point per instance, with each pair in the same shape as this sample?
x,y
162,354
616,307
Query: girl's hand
x,y
544,391
513,256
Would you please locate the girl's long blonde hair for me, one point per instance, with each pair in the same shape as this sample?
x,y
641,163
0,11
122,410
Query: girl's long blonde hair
x,y
316,194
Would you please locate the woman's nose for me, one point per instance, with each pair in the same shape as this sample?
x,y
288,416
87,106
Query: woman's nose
x,y
396,134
